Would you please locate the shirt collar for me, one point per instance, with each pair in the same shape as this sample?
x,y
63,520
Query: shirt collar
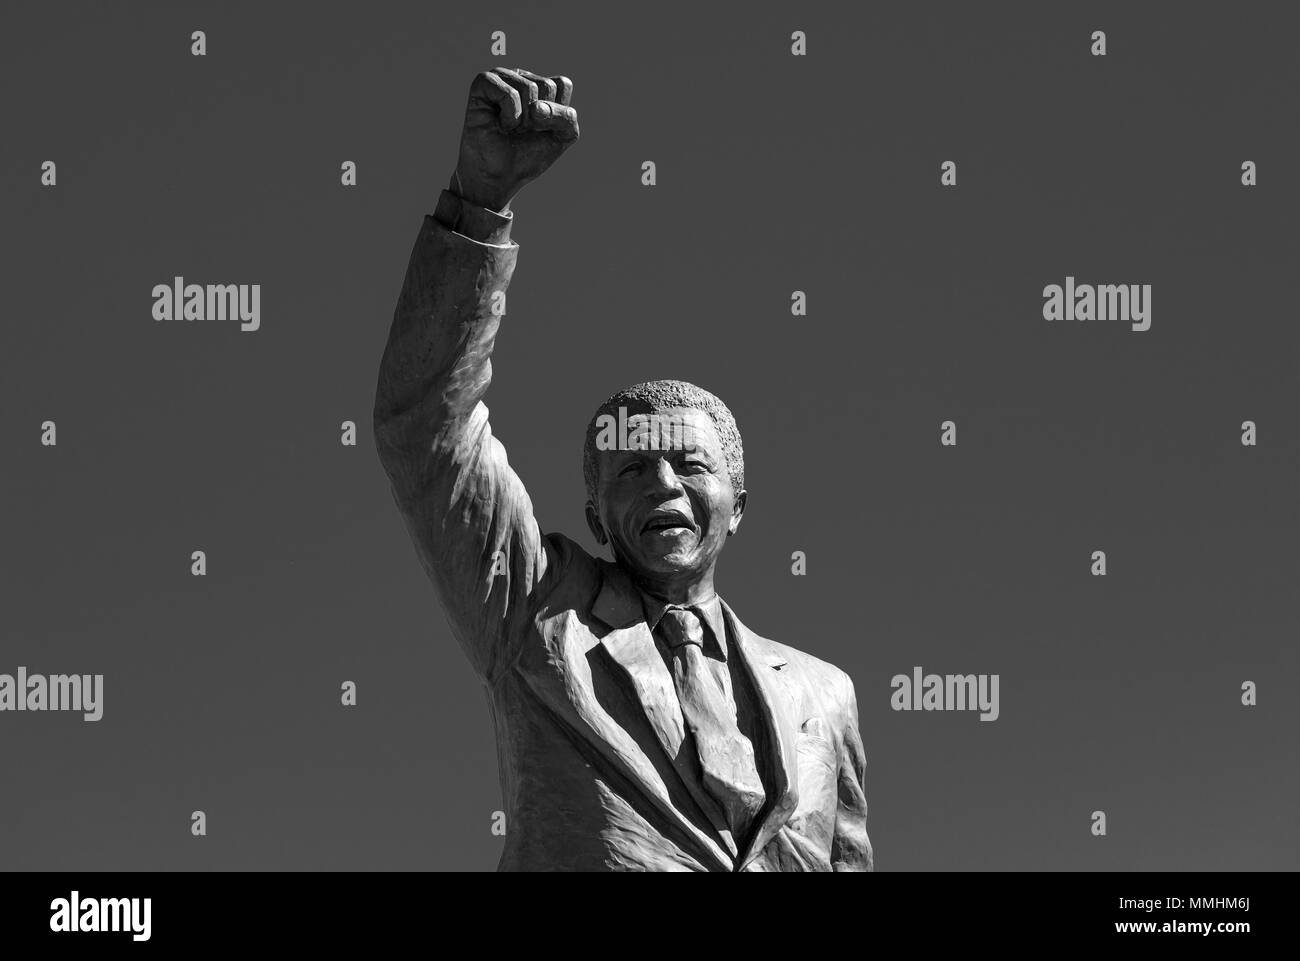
x,y
709,612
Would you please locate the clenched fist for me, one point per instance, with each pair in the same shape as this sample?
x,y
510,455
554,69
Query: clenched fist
x,y
516,124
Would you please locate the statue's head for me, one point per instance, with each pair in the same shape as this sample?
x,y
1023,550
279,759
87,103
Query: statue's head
x,y
665,474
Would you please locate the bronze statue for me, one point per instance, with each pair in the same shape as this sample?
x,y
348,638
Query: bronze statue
x,y
640,725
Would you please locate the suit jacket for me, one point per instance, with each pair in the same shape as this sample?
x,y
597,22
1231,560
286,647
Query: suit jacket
x,y
578,692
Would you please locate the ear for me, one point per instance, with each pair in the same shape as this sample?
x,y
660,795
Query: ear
x,y
597,528
737,512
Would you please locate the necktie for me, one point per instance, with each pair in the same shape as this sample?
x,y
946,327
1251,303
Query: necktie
x,y
726,756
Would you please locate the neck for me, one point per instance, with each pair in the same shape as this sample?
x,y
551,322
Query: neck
x,y
678,589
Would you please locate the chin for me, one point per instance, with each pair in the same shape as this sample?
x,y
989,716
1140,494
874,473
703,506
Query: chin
x,y
673,562
678,557
667,564
678,565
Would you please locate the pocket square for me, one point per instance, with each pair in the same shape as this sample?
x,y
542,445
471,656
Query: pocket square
x,y
814,727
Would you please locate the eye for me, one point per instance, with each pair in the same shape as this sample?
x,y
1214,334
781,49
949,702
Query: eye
x,y
630,468
697,467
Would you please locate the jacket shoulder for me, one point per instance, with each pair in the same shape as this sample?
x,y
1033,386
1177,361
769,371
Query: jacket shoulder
x,y
821,677
574,575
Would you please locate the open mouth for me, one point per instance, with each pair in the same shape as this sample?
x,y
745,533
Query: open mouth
x,y
668,522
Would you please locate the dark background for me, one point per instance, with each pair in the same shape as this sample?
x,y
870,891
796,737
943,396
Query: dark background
x,y
776,173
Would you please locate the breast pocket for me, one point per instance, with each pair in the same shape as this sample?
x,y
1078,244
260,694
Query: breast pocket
x,y
818,766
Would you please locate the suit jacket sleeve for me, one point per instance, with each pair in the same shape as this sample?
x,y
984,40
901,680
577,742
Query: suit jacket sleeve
x,y
467,512
850,847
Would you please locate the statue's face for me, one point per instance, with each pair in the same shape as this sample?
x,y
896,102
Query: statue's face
x,y
666,506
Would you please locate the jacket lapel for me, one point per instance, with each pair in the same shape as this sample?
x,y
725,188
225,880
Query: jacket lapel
x,y
630,645
764,664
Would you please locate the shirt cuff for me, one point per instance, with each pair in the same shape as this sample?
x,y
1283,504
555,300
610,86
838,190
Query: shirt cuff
x,y
472,221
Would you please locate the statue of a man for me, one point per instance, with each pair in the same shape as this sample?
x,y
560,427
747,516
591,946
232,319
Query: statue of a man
x,y
640,725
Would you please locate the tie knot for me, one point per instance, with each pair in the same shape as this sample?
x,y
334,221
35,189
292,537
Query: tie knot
x,y
682,626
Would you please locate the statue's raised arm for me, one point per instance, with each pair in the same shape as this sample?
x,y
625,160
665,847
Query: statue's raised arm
x,y
467,512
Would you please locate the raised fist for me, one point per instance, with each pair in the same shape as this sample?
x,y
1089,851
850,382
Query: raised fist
x,y
516,124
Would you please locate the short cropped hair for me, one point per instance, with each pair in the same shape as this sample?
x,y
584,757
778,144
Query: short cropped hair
x,y
654,397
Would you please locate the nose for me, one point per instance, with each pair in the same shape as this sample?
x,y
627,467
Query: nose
x,y
665,478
